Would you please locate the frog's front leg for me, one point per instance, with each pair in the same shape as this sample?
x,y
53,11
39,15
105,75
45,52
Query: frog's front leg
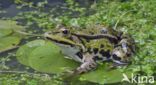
x,y
87,65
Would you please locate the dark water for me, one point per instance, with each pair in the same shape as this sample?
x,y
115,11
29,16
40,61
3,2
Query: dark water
x,y
11,10
9,7
59,5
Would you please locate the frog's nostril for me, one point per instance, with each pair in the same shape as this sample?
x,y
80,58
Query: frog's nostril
x,y
115,57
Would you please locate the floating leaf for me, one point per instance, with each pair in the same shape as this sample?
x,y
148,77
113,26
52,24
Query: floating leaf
x,y
49,59
24,51
8,43
5,32
8,38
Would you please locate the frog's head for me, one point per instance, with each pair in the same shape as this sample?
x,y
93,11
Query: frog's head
x,y
69,47
61,36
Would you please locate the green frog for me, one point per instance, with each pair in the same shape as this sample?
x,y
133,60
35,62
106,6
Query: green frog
x,y
93,44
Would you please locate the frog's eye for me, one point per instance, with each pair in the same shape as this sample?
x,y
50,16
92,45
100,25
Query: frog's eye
x,y
104,31
64,31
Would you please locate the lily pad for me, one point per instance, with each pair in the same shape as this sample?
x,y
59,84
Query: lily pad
x,y
24,51
9,39
8,42
5,32
49,59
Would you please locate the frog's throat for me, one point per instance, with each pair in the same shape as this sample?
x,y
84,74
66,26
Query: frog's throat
x,y
97,36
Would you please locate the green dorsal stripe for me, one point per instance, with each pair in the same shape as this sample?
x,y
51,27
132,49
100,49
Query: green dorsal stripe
x,y
97,36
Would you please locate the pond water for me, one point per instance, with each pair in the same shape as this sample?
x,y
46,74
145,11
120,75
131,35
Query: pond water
x,y
11,9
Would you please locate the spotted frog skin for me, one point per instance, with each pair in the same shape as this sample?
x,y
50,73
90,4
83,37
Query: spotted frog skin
x,y
93,44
